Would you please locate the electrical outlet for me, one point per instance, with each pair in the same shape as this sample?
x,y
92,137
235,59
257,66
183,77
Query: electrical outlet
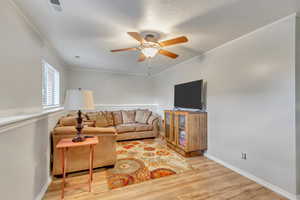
x,y
244,156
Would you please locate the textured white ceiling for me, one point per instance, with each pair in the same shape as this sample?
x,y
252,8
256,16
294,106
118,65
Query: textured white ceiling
x,y
91,28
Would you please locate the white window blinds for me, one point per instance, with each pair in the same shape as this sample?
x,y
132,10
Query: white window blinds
x,y
51,85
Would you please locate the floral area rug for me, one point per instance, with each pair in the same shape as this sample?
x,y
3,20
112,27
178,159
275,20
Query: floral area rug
x,y
142,160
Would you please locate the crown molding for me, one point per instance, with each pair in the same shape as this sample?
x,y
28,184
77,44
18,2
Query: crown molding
x,y
250,33
231,41
102,70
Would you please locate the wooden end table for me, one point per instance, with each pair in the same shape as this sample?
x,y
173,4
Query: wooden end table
x,y
64,145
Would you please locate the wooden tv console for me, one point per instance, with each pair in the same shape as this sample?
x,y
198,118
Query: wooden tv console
x,y
186,131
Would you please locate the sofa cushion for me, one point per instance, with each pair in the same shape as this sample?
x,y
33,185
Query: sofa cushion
x,y
128,116
71,130
141,116
117,117
68,121
95,130
104,119
143,127
122,128
152,118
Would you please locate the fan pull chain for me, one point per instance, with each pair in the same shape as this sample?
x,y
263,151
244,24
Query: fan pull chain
x,y
148,67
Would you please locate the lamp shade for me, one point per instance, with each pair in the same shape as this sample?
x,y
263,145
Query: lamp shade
x,y
77,99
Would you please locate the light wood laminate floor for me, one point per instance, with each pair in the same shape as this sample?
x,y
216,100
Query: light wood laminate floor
x,y
208,180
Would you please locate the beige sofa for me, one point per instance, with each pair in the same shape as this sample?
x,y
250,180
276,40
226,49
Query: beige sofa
x,y
124,125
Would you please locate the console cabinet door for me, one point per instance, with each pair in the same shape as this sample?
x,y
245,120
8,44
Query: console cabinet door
x,y
182,134
169,123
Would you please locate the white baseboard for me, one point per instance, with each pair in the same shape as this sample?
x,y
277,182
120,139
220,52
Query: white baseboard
x,y
43,190
256,179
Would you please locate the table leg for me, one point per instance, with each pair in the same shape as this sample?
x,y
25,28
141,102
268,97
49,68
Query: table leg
x,y
90,173
93,151
63,172
66,161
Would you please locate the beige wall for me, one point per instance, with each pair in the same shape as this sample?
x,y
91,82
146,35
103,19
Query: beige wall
x,y
250,101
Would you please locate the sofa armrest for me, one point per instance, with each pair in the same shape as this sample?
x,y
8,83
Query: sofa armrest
x,y
155,121
77,157
155,125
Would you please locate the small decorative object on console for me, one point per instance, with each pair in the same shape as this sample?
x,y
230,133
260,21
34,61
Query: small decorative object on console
x,y
78,99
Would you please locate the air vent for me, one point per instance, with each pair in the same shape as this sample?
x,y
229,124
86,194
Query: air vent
x,y
55,4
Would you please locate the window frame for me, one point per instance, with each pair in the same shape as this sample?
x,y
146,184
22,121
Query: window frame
x,y
56,86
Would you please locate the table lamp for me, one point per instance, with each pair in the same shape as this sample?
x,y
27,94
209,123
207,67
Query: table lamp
x,y
78,99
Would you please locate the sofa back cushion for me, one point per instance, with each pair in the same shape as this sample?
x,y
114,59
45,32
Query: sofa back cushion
x,y
92,116
75,114
89,123
104,119
68,121
128,116
110,118
117,117
142,116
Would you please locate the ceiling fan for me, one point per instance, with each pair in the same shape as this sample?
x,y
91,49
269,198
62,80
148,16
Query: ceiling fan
x,y
149,46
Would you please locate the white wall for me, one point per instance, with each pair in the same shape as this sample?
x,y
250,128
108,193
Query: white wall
x,y
250,101
112,88
22,50
298,102
25,157
24,146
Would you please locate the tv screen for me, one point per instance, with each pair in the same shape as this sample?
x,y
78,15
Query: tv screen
x,y
189,95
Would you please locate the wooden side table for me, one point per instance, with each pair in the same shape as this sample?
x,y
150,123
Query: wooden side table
x,y
64,145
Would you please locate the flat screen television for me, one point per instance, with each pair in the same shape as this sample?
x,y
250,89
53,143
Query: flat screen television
x,y
189,95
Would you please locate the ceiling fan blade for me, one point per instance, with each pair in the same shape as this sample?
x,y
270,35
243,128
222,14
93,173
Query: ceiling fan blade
x,y
173,41
136,36
125,49
168,53
142,57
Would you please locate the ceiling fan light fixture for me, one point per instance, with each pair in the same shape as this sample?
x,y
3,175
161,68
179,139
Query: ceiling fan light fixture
x,y
150,49
150,52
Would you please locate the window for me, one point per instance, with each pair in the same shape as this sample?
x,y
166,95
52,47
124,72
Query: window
x,y
50,89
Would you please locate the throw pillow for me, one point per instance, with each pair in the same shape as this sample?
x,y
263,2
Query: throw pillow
x,y
101,120
142,116
104,119
68,121
128,116
152,118
117,117
109,118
